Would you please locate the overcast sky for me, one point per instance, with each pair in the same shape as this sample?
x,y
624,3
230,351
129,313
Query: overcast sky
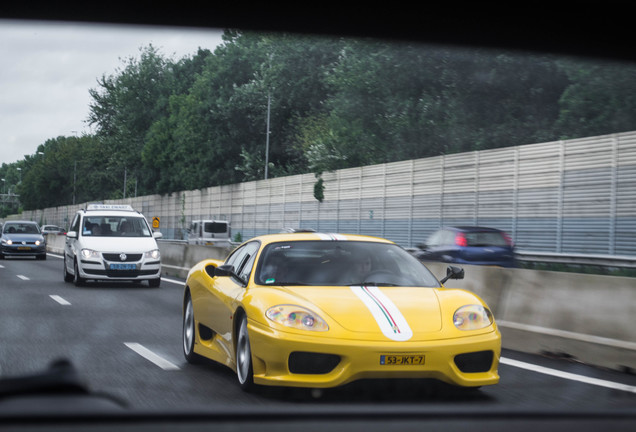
x,y
48,68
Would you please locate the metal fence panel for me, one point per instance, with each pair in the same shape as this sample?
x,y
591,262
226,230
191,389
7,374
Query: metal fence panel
x,y
574,196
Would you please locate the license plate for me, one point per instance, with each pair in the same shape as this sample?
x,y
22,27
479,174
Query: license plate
x,y
401,360
122,266
24,248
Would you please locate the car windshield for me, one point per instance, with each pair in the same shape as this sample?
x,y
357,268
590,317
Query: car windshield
x,y
341,263
115,226
20,228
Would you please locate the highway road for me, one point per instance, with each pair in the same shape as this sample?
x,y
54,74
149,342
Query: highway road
x,y
125,340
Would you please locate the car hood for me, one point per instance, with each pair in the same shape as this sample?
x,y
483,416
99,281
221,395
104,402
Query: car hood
x,y
397,313
120,244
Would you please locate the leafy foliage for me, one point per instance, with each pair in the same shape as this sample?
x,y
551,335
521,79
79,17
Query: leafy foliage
x,y
168,125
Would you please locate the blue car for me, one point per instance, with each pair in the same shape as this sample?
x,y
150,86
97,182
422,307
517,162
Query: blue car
x,y
21,239
469,245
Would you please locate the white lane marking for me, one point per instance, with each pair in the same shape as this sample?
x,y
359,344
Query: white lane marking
x,y
1,266
151,356
23,277
568,375
177,282
60,300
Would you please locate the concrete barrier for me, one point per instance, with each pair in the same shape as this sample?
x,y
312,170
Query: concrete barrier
x,y
55,243
587,317
178,258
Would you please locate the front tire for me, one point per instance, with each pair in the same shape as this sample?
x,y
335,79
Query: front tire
x,y
244,368
154,283
77,279
188,333
67,276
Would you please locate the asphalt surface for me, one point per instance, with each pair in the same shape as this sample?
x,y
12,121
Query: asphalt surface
x,y
125,341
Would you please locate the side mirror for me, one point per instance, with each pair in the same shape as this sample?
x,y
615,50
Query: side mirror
x,y
453,272
224,270
157,234
71,234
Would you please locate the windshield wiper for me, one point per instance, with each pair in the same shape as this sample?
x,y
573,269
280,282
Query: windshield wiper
x,y
286,283
369,283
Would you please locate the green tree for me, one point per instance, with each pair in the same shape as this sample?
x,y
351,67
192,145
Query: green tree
x,y
600,99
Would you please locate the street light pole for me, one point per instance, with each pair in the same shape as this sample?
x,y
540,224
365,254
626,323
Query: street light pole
x,y
267,137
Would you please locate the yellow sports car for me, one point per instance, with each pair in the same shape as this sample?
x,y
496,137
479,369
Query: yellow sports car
x,y
321,310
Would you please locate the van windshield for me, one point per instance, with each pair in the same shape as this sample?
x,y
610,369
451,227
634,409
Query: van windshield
x,y
115,226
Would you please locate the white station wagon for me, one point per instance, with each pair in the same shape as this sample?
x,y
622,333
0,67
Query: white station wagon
x,y
111,243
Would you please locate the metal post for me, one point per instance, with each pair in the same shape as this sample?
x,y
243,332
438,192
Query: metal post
x,y
267,136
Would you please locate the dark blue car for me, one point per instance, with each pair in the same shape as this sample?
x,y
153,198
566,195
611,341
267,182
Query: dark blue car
x,y
469,245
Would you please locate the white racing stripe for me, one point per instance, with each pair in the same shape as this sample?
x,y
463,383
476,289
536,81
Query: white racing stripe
x,y
330,236
386,314
568,375
60,300
151,356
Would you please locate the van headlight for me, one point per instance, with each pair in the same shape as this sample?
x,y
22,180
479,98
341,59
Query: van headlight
x,y
153,254
472,317
89,253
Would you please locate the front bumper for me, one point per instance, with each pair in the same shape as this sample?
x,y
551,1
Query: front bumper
x,y
23,250
130,270
344,361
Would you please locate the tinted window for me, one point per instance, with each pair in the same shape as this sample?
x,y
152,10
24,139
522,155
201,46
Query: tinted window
x,y
21,228
340,263
215,227
115,226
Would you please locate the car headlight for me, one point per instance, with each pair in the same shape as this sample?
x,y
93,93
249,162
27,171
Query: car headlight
x,y
472,317
8,242
89,253
296,317
154,254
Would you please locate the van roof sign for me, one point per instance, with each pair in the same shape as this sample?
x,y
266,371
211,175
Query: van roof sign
x,y
119,207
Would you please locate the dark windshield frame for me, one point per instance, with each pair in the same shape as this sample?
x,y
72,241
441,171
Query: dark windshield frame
x,y
340,263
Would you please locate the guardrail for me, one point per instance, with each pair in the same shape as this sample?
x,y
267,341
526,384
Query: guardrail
x,y
622,261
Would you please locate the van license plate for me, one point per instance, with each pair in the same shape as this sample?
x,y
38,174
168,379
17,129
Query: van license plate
x,y
122,266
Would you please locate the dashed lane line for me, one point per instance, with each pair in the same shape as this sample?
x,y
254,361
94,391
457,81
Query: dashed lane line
x,y
60,300
151,356
174,281
23,277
